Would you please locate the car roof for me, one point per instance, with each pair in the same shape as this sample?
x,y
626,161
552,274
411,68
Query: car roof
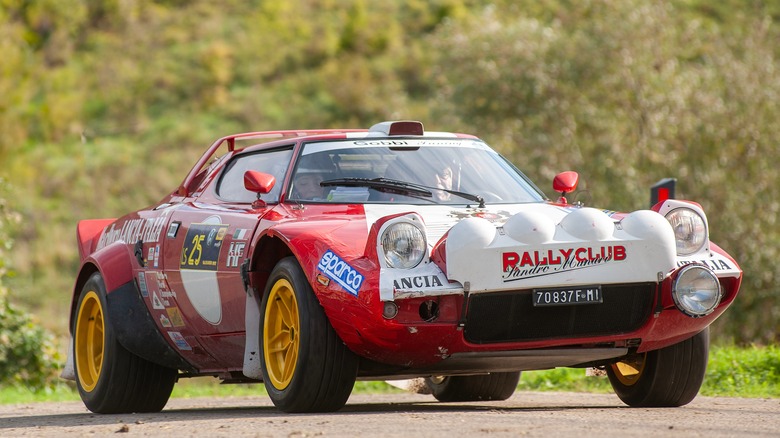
x,y
269,139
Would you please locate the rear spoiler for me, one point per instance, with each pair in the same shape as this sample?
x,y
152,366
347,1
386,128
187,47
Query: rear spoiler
x,y
87,231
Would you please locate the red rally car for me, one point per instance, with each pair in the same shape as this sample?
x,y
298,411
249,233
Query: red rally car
x,y
309,259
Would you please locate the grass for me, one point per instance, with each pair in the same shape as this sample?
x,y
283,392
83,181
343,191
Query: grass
x,y
752,372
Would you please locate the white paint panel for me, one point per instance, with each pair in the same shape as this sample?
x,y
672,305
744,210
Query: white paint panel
x,y
203,292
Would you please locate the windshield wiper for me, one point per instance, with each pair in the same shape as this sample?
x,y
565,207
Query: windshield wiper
x,y
399,187
381,184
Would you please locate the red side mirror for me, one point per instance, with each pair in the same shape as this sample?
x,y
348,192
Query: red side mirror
x,y
565,182
258,182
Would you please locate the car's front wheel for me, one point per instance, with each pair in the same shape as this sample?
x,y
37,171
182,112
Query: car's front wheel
x,y
493,386
306,366
668,377
110,379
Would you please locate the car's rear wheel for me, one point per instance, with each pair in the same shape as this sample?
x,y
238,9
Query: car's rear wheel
x,y
306,367
668,377
493,386
109,378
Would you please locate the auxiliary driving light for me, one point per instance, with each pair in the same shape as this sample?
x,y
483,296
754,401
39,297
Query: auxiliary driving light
x,y
696,291
390,310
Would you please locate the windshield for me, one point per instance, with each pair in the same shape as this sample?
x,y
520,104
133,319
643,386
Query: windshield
x,y
408,171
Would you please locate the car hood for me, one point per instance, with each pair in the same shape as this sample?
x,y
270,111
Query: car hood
x,y
509,247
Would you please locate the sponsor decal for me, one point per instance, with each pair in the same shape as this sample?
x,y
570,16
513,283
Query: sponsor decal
x,y
147,230
382,143
175,315
498,216
142,284
157,304
341,272
201,246
179,340
164,321
234,254
714,265
153,256
529,264
173,229
417,282
162,285
407,143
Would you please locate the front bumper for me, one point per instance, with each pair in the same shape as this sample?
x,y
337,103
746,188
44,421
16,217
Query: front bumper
x,y
504,331
469,307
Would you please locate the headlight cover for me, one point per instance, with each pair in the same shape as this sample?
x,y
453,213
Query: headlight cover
x,y
404,245
696,291
690,231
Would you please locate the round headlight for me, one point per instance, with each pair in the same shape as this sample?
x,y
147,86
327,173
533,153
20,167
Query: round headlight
x,y
696,291
689,230
404,245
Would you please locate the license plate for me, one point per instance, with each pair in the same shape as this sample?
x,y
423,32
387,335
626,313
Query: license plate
x,y
567,296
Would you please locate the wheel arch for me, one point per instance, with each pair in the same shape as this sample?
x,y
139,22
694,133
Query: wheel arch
x,y
268,251
114,258
135,328
271,247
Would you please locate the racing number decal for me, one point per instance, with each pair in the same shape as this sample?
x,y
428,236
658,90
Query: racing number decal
x,y
202,245
197,247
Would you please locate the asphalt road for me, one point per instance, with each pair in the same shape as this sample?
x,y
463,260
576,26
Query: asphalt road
x,y
528,414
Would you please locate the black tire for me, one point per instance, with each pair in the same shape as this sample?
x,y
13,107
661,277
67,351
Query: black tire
x,y
668,377
493,386
110,379
306,366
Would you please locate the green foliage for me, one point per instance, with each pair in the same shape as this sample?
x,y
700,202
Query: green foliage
x,y
27,353
563,379
731,372
628,93
106,104
750,370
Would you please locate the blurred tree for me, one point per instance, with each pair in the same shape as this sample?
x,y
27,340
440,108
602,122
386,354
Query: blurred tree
x,y
628,93
625,92
27,353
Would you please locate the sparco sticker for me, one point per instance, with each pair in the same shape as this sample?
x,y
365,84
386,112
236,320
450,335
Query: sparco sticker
x,y
341,272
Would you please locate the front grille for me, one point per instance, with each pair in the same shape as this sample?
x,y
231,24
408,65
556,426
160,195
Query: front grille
x,y
511,316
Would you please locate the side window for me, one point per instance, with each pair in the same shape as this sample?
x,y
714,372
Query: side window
x,y
231,184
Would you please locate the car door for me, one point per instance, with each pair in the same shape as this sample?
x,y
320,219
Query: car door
x,y
207,240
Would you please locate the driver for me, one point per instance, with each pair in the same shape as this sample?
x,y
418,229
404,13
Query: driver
x,y
443,181
307,185
312,170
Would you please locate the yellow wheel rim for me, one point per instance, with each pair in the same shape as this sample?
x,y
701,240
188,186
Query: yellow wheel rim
x,y
89,341
630,370
281,334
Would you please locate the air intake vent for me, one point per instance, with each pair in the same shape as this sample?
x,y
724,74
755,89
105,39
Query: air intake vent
x,y
512,317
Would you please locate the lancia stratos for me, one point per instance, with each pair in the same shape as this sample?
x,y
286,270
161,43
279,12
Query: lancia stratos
x,y
309,259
